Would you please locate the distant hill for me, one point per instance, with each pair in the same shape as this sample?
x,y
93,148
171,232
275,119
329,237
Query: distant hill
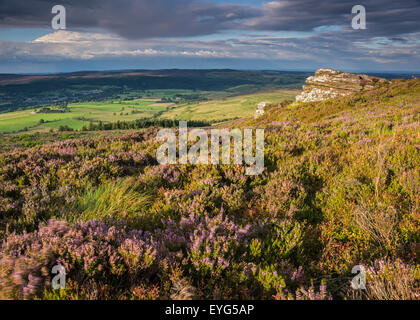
x,y
23,91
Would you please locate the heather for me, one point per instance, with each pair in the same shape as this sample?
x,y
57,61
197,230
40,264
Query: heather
x,y
340,188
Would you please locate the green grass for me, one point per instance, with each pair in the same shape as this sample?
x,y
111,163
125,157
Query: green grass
x,y
235,107
71,123
115,200
81,114
118,110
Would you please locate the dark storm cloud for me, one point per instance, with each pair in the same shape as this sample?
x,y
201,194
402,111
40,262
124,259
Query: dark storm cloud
x,y
131,18
384,17
172,18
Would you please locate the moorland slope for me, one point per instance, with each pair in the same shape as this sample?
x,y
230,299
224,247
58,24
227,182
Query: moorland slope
x,y
340,188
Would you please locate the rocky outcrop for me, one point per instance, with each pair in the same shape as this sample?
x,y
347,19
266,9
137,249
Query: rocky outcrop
x,y
329,83
260,109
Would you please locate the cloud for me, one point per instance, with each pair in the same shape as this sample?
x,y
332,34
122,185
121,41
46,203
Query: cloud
x,y
63,45
132,19
315,33
384,17
63,36
318,48
135,19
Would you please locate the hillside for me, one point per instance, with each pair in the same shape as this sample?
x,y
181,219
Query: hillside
x,y
340,188
391,99
19,92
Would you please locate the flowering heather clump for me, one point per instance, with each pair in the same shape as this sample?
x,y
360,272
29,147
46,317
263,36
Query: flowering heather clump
x,y
163,175
215,244
97,250
67,152
33,180
281,197
311,294
90,249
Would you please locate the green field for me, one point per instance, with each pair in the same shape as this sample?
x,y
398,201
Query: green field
x,y
81,114
230,108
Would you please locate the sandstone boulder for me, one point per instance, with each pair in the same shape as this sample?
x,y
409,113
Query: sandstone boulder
x,y
329,83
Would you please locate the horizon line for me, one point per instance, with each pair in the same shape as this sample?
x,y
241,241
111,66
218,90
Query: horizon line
x,y
203,69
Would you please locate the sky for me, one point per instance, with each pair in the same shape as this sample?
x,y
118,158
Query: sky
x,y
301,35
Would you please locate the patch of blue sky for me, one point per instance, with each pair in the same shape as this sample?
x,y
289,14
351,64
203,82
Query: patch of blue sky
x,y
235,34
327,28
22,34
257,3
229,34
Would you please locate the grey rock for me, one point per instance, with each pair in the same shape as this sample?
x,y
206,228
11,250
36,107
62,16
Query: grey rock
x,y
328,83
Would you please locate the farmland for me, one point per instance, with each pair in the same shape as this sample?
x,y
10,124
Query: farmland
x,y
232,108
153,104
19,92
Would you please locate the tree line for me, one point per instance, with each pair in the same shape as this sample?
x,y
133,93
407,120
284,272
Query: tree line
x,y
136,124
